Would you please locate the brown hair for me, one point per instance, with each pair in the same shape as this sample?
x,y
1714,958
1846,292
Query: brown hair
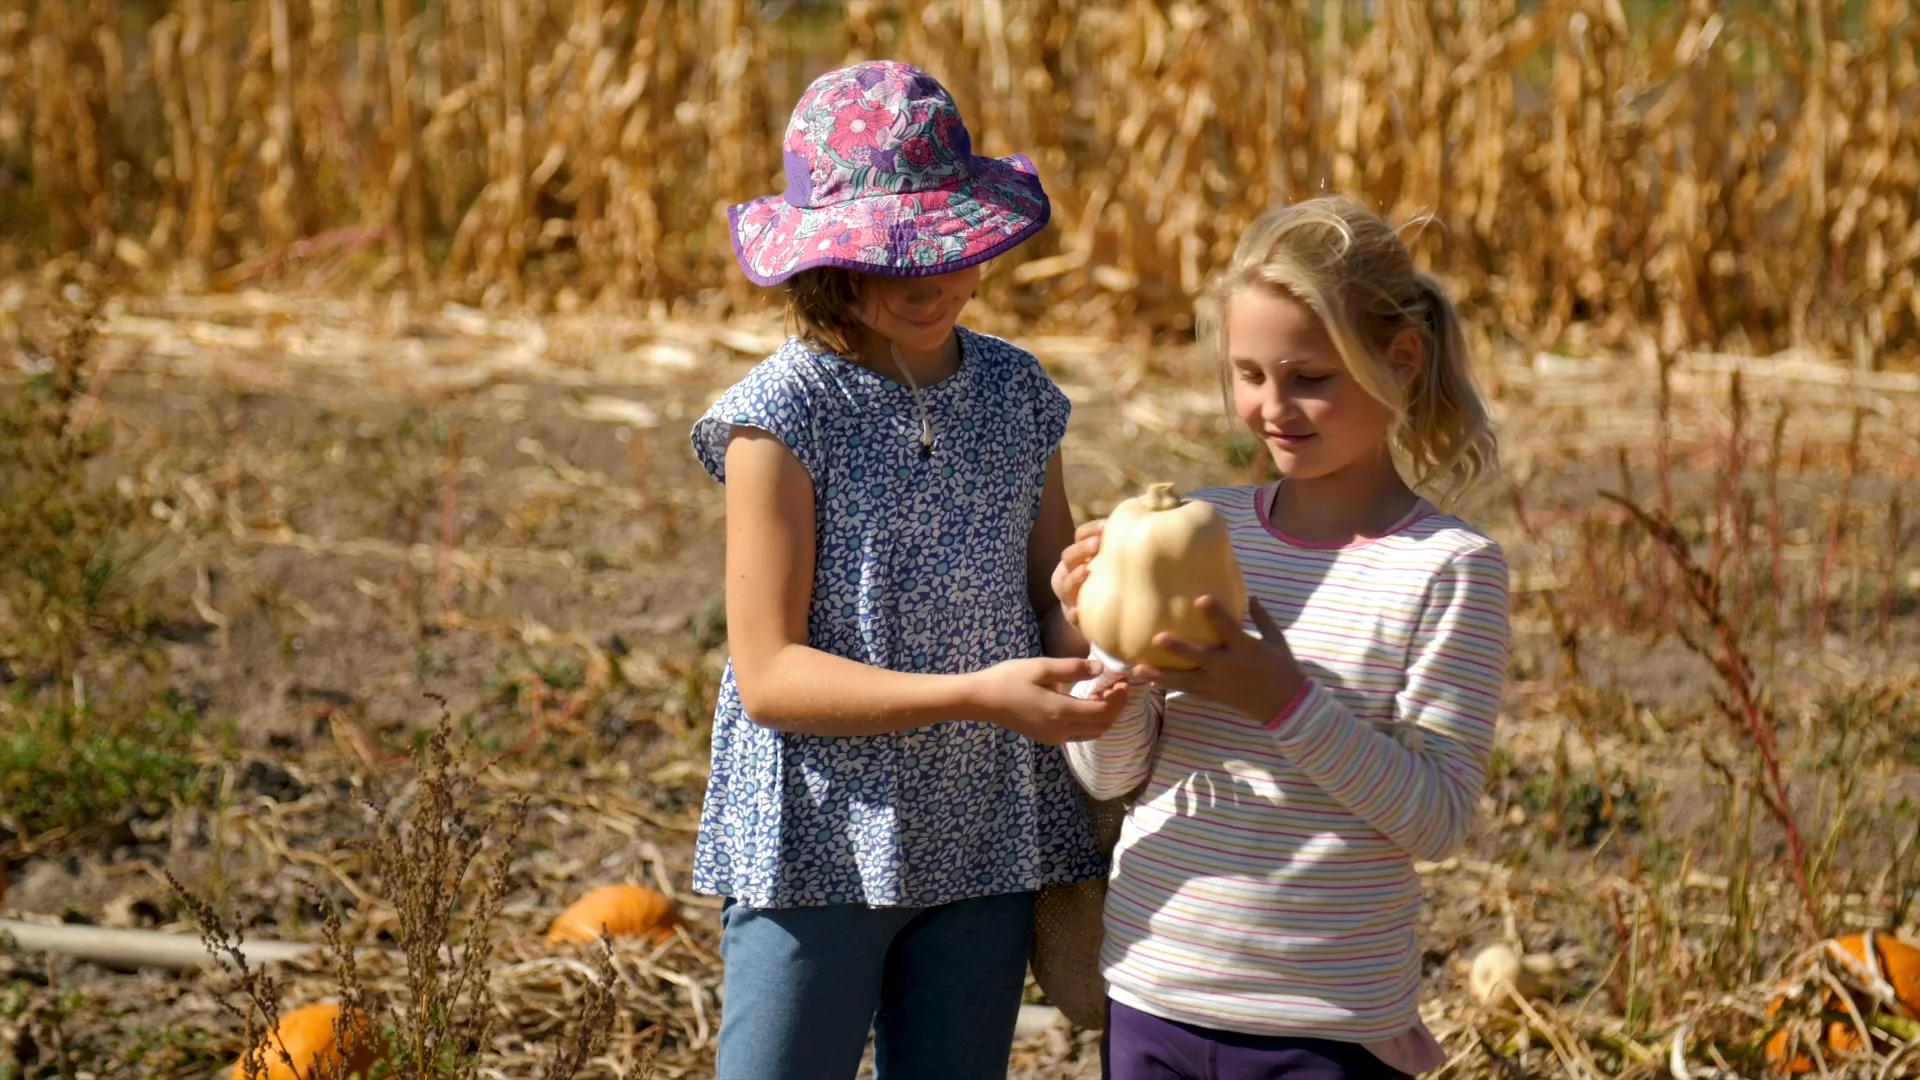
x,y
1352,270
820,308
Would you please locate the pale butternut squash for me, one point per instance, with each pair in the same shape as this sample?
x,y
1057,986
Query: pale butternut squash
x,y
1500,967
1159,554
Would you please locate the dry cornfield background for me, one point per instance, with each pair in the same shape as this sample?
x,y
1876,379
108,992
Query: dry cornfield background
x,y
401,310
1739,175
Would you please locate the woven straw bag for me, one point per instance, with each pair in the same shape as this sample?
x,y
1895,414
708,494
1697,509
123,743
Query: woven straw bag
x,y
1069,921
1068,928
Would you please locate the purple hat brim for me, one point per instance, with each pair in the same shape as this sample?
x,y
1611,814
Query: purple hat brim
x,y
989,173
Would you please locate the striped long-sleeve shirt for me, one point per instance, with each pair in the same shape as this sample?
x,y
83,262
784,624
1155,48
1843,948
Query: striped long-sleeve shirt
x,y
1264,880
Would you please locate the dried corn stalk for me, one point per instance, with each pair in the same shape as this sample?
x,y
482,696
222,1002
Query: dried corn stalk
x,y
1741,177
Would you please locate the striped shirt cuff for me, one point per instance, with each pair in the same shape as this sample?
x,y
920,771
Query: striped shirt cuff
x,y
1293,707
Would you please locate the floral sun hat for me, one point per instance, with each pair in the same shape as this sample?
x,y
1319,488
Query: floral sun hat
x,y
882,179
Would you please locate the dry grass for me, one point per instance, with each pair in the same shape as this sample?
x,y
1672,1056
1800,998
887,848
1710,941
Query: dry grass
x,y
499,509
1738,176
1707,761
436,1013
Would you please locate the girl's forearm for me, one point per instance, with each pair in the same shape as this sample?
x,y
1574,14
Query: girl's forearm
x,y
808,691
1116,762
1422,800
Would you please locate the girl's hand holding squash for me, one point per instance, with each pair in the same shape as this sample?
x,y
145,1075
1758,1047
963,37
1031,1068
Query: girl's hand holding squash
x,y
1256,677
1028,696
1071,572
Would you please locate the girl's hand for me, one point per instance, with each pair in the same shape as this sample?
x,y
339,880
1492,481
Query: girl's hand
x,y
1030,697
1255,677
1071,572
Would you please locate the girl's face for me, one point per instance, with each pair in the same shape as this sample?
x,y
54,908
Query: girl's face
x,y
915,313
1294,393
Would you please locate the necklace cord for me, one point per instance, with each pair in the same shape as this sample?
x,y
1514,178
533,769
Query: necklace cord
x,y
919,403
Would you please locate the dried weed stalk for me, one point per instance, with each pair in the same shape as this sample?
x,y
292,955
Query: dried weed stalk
x,y
1740,697
86,739
421,865
259,1009
63,566
595,1025
443,864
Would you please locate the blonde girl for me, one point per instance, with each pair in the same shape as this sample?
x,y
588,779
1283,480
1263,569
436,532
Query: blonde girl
x,y
1260,920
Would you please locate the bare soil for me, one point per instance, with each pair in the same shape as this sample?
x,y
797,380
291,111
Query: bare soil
x,y
363,504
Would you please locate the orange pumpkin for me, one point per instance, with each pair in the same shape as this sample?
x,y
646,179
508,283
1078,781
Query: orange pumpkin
x,y
623,910
1899,965
308,1036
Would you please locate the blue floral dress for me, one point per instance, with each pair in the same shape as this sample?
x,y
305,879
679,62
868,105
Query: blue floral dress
x,y
921,567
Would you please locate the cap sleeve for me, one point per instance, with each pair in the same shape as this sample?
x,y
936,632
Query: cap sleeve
x,y
1050,406
774,398
1053,411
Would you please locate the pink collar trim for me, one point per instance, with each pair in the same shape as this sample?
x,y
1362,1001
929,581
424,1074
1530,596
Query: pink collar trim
x,y
1263,507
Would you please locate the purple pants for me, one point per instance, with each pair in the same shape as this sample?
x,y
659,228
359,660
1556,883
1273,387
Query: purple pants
x,y
1141,1046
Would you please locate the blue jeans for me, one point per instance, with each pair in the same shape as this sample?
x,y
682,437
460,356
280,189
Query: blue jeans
x,y
939,988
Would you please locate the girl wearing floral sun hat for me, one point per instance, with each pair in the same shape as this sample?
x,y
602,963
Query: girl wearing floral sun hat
x,y
887,791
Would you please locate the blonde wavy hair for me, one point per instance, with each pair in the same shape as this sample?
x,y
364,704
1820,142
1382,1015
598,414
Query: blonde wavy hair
x,y
1348,266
